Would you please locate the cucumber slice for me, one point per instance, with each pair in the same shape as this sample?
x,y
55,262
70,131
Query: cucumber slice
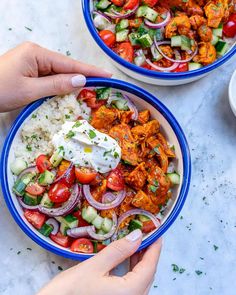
x,y
143,218
135,224
103,4
64,228
107,225
134,38
56,159
222,47
103,93
145,40
174,178
156,54
121,104
214,40
176,41
20,184
97,222
46,230
46,201
122,35
185,43
139,60
70,221
219,31
46,178
30,199
18,166
147,12
89,214
194,66
123,24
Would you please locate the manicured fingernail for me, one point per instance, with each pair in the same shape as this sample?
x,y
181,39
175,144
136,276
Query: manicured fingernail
x,y
134,235
107,72
78,81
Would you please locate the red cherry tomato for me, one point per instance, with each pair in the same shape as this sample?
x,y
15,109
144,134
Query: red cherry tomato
x,y
148,226
85,175
232,17
35,189
182,67
82,222
229,29
82,246
43,163
59,193
90,97
115,180
126,51
130,4
61,240
35,218
108,37
118,2
68,171
150,3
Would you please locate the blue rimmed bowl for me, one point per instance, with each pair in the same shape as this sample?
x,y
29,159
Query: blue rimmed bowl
x,y
143,100
145,75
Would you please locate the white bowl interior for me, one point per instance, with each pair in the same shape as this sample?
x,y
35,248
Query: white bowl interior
x,y
232,93
166,129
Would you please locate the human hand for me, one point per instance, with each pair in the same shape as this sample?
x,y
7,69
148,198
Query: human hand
x,y
92,276
29,72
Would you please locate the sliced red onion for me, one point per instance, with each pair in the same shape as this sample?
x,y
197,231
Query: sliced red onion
x,y
136,212
102,14
80,232
115,14
132,108
171,59
171,168
177,55
54,224
162,69
99,237
27,206
108,197
66,207
100,206
102,22
158,25
65,174
155,53
32,169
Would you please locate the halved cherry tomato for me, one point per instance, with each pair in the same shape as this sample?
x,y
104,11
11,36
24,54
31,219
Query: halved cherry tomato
x,y
126,51
43,163
118,2
35,218
90,97
69,173
82,245
150,3
229,29
182,67
59,193
232,17
35,189
61,240
115,180
108,37
85,175
148,226
82,222
130,4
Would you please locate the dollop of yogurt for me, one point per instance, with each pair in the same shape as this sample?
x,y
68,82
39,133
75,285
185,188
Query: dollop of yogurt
x,y
85,146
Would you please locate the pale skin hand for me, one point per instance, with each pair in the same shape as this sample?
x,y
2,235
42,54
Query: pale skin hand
x,y
92,276
29,72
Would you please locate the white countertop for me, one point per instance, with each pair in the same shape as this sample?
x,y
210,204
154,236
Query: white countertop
x,y
209,215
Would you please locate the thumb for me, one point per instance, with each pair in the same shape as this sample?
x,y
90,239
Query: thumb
x,y
117,252
55,85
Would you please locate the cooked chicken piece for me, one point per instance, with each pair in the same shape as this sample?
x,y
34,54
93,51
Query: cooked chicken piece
x,y
104,117
206,53
143,201
196,21
214,11
137,178
205,33
143,116
176,23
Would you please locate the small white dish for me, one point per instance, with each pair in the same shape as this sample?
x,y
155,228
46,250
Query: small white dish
x,y
232,93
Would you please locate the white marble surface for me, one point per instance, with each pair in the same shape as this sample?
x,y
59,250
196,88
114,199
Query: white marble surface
x,y
209,215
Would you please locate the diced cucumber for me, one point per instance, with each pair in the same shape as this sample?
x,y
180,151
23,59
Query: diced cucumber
x,y
145,40
100,22
107,225
46,178
222,47
101,232
122,35
56,159
134,224
194,66
30,199
89,214
143,218
134,38
176,41
20,184
103,4
64,228
214,40
18,166
46,201
156,54
97,222
147,12
70,220
46,229
139,60
174,178
123,24
159,35
103,93
218,32
121,104
185,43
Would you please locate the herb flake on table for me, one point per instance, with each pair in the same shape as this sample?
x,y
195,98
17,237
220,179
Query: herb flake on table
x,y
18,253
68,53
29,249
198,272
60,268
29,29
215,247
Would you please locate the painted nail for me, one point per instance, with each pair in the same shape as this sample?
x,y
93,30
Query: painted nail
x,y
134,235
107,72
78,81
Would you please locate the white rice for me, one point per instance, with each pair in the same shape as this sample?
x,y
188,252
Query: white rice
x,y
37,132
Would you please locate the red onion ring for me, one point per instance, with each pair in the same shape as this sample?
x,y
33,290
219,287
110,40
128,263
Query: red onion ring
x,y
100,206
136,212
54,224
79,232
65,174
115,14
108,197
158,25
132,107
102,14
157,44
94,235
162,69
23,205
66,207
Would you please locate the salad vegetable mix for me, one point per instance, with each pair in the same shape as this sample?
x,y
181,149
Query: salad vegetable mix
x,y
166,35
107,176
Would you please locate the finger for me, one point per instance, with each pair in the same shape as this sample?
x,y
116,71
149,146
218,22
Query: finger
x,y
116,252
54,62
134,259
54,85
144,271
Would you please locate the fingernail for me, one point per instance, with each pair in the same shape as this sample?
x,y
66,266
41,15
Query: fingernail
x,y
107,72
134,235
78,81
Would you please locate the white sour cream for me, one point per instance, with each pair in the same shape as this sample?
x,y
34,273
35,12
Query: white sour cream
x,y
85,146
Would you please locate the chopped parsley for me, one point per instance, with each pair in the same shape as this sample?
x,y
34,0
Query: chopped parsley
x,y
105,139
67,116
34,116
116,155
77,124
153,188
70,134
92,134
156,149
29,148
106,153
46,116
